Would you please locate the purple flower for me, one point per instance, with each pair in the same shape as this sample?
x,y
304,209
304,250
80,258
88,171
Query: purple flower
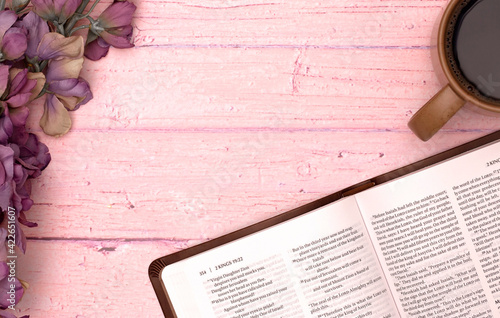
x,y
19,163
13,40
68,92
36,28
6,128
54,45
17,89
112,28
31,158
56,11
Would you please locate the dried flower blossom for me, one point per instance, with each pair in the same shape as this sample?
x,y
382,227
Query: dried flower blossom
x,y
19,163
54,45
112,28
13,40
40,57
67,92
31,158
36,28
56,11
18,87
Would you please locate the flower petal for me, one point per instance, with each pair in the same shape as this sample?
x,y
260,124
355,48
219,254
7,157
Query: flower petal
x,y
25,192
3,249
65,8
6,191
54,45
6,127
7,160
124,31
63,69
19,115
34,155
55,120
4,270
72,92
2,174
19,136
39,77
96,49
19,81
117,14
36,28
45,9
116,41
18,100
4,78
7,19
7,314
22,219
14,43
23,86
20,174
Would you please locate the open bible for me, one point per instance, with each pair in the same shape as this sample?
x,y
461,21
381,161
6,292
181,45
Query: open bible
x,y
420,241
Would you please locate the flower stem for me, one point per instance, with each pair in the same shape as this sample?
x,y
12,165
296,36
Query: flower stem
x,y
78,28
2,5
21,13
77,16
91,8
43,65
43,91
60,28
21,8
71,22
82,6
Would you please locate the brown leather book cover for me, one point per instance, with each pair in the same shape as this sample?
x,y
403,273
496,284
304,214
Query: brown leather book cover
x,y
159,264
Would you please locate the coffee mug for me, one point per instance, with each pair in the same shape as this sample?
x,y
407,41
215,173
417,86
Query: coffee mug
x,y
468,55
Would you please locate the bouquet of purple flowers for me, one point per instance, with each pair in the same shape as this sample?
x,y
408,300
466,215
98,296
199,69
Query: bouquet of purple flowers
x,y
43,44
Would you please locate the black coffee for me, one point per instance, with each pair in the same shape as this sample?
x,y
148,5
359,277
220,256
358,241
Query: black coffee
x,y
476,47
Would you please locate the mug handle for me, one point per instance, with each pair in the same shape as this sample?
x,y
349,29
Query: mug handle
x,y
435,113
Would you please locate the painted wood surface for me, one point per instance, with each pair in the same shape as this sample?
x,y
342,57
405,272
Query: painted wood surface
x,y
226,112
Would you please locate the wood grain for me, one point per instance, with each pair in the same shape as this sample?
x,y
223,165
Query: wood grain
x,y
295,23
224,114
87,278
198,185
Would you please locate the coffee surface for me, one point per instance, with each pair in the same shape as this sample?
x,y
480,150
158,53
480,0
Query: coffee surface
x,y
476,44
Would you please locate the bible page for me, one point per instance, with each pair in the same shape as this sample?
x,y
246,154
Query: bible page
x,y
437,232
320,264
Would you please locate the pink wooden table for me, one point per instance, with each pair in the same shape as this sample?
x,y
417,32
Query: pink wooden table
x,y
226,112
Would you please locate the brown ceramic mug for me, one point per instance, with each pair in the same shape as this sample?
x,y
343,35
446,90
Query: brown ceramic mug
x,y
463,53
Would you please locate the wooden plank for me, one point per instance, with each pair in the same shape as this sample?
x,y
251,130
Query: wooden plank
x,y
193,185
254,88
400,23
224,114
90,278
